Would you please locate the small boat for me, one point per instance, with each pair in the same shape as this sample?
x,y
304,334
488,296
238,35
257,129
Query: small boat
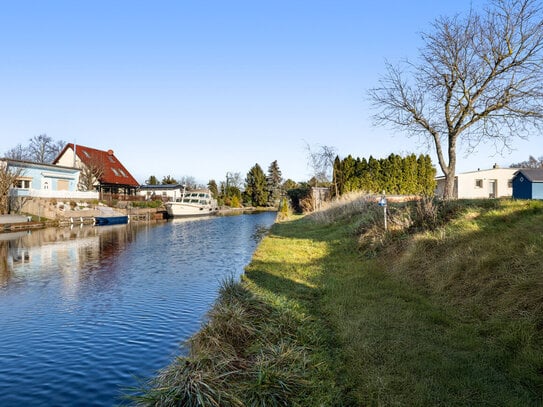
x,y
109,216
193,203
110,220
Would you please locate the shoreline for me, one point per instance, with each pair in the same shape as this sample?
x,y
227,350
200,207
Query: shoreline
x,y
240,211
13,223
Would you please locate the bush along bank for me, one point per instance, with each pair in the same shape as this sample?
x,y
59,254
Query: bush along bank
x,y
443,308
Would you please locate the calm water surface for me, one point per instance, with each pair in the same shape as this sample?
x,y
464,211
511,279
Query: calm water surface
x,y
85,312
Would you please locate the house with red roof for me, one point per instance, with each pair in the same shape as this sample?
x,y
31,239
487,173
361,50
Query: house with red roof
x,y
100,171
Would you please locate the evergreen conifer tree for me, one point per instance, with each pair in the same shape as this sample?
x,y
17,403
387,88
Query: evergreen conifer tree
x,y
212,185
337,177
426,175
256,193
273,182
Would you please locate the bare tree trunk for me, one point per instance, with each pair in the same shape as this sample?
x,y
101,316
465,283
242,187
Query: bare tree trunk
x,y
450,170
449,186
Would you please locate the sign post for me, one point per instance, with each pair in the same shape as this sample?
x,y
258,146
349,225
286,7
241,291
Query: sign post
x,y
383,203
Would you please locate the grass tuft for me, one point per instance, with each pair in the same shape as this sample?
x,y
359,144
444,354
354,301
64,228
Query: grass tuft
x,y
247,353
278,375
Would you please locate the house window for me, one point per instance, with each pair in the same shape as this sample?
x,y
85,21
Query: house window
x,y
86,154
115,171
123,173
478,183
22,184
510,183
63,185
111,159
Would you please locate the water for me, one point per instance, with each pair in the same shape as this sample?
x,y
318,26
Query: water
x,y
86,312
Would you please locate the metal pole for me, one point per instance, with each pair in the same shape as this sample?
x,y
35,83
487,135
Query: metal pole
x,y
385,215
384,203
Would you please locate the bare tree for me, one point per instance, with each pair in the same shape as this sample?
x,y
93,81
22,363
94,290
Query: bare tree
x,y
532,162
234,179
17,153
8,178
479,79
189,181
90,174
321,161
43,149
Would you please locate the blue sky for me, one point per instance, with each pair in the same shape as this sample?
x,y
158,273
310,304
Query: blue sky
x,y
201,88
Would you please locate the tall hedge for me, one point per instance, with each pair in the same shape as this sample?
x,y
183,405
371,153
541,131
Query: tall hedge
x,y
410,175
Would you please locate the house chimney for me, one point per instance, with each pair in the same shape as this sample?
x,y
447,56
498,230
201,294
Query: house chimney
x,y
109,152
495,166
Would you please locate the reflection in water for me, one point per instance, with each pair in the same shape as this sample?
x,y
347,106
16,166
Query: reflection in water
x,y
64,248
86,310
12,251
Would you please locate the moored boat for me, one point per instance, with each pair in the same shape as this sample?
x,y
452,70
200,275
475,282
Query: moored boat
x,y
193,203
110,220
109,216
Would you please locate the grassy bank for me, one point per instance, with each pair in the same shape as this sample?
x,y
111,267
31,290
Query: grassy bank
x,y
446,308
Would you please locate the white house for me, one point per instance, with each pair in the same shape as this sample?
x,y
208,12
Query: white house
x,y
492,183
166,193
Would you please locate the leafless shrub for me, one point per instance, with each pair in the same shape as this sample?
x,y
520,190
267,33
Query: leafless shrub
x,y
427,213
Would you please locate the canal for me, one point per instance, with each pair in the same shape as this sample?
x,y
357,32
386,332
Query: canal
x,y
88,312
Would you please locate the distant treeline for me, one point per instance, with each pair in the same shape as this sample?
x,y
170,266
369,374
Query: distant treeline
x,y
409,175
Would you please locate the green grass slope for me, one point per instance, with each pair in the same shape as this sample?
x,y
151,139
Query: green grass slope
x,y
443,309
451,315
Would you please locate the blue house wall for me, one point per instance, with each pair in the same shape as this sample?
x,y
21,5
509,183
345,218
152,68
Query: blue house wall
x,y
41,175
44,176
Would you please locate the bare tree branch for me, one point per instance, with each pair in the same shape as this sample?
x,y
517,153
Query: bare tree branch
x,y
321,161
90,174
8,178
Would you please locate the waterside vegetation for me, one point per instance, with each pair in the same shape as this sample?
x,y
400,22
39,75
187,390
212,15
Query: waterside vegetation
x,y
443,308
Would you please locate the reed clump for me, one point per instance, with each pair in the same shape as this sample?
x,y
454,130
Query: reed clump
x,y
246,354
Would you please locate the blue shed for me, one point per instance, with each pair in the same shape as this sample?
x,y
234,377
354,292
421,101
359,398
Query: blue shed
x,y
528,183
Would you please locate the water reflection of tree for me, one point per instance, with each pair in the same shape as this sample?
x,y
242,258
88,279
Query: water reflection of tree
x,y
12,252
5,269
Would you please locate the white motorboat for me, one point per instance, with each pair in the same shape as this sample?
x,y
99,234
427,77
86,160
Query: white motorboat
x,y
193,203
